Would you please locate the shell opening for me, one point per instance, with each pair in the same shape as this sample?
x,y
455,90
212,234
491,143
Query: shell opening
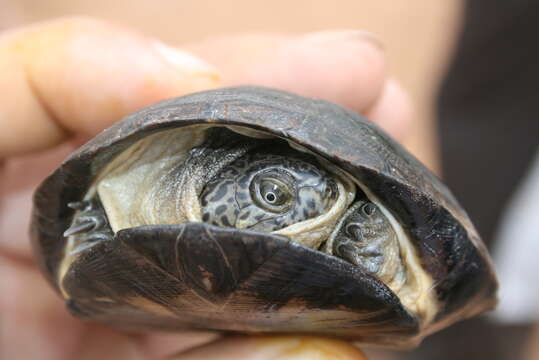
x,y
162,178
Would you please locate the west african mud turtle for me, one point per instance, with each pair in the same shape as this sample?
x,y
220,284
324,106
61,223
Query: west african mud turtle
x,y
254,210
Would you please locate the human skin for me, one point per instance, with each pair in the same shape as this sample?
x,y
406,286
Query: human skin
x,y
64,81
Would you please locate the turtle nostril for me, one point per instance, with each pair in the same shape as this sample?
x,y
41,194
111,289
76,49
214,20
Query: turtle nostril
x,y
353,230
368,209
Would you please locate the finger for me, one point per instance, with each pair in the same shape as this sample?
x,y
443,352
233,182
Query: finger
x,y
157,345
33,322
393,111
18,179
346,67
275,348
78,76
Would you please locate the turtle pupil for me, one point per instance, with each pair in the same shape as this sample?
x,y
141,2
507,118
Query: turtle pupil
x,y
274,192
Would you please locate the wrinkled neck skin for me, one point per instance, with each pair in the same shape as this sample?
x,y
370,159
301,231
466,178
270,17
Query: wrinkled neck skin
x,y
199,173
185,183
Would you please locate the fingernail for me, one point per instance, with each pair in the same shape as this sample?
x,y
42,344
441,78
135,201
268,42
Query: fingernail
x,y
339,35
303,348
189,63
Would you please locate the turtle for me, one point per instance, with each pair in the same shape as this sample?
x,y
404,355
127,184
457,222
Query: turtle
x,y
253,210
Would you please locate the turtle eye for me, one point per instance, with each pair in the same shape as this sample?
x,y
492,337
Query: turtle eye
x,y
368,209
272,193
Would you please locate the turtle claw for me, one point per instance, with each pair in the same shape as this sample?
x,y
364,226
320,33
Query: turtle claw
x,y
79,228
78,205
89,222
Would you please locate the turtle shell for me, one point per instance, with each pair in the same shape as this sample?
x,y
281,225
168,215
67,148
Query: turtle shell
x,y
195,275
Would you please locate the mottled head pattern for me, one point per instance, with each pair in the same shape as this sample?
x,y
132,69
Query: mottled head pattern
x,y
267,192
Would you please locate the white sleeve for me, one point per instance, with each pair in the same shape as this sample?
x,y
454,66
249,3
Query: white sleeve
x,y
516,254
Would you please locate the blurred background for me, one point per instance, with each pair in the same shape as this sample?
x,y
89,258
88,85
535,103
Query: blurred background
x,y
471,70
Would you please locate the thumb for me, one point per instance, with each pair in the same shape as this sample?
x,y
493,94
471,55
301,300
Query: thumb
x,y
274,348
79,75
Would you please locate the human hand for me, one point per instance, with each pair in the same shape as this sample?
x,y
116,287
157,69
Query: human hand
x,y
64,81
